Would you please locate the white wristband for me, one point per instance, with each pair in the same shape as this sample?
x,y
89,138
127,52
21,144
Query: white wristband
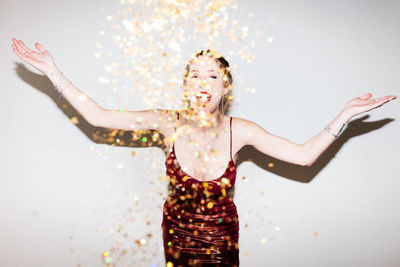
x,y
59,89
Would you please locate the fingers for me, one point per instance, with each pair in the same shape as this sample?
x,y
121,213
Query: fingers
x,y
21,55
24,46
369,104
364,100
381,98
366,96
25,53
40,47
18,47
23,49
380,101
17,44
388,97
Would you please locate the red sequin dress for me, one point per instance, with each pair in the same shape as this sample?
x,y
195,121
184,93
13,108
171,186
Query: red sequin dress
x,y
200,221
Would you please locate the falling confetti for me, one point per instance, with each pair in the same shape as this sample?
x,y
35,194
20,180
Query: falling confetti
x,y
154,40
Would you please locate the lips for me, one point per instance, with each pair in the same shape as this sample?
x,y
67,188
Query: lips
x,y
203,96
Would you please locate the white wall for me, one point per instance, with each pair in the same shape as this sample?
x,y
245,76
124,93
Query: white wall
x,y
61,192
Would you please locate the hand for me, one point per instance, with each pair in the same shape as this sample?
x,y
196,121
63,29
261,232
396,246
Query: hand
x,y
43,61
363,103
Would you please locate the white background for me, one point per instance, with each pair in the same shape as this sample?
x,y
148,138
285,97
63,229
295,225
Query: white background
x,y
61,192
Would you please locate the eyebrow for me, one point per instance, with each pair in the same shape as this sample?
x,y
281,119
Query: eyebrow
x,y
208,70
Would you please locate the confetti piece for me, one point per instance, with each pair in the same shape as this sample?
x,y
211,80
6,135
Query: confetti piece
x,y
83,97
108,259
74,120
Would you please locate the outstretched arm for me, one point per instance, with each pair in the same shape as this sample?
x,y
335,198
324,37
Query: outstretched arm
x,y
314,147
250,133
87,107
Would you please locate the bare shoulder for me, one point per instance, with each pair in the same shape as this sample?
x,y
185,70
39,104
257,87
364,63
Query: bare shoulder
x,y
239,125
244,129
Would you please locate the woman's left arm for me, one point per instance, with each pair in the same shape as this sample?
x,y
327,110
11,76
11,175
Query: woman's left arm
x,y
314,147
251,133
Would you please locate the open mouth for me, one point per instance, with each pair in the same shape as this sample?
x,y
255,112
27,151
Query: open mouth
x,y
203,97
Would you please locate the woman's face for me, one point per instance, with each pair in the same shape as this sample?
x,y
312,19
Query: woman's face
x,y
205,84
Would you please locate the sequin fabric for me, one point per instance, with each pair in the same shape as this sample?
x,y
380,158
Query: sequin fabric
x,y
200,221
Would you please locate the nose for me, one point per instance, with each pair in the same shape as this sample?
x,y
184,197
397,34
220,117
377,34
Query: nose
x,y
203,83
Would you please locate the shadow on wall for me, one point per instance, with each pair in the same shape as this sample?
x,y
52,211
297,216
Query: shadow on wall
x,y
116,137
98,135
305,174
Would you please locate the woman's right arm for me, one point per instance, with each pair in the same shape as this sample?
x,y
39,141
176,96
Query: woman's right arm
x,y
114,119
127,120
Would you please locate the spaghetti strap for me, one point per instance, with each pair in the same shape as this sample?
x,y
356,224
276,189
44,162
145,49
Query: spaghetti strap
x,y
176,119
230,127
175,129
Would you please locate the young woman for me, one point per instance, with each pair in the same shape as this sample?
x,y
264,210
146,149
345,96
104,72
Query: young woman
x,y
200,221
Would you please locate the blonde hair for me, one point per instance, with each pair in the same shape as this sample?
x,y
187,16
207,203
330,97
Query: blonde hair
x,y
226,100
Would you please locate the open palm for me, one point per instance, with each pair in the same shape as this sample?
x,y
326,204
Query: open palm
x,y
42,60
364,103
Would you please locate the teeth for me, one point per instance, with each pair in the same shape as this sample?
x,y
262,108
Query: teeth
x,y
203,97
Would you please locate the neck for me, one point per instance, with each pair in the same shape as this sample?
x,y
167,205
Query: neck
x,y
202,121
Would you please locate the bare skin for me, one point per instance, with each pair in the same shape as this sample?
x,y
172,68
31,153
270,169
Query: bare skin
x,y
206,131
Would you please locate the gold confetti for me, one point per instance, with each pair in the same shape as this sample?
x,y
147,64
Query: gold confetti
x,y
74,120
155,38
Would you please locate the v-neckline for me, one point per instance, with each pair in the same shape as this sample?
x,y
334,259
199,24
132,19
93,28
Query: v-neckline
x,y
191,177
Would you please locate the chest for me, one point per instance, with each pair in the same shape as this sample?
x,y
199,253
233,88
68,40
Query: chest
x,y
203,160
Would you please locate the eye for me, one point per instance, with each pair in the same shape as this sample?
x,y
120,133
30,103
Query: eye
x,y
194,76
214,77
